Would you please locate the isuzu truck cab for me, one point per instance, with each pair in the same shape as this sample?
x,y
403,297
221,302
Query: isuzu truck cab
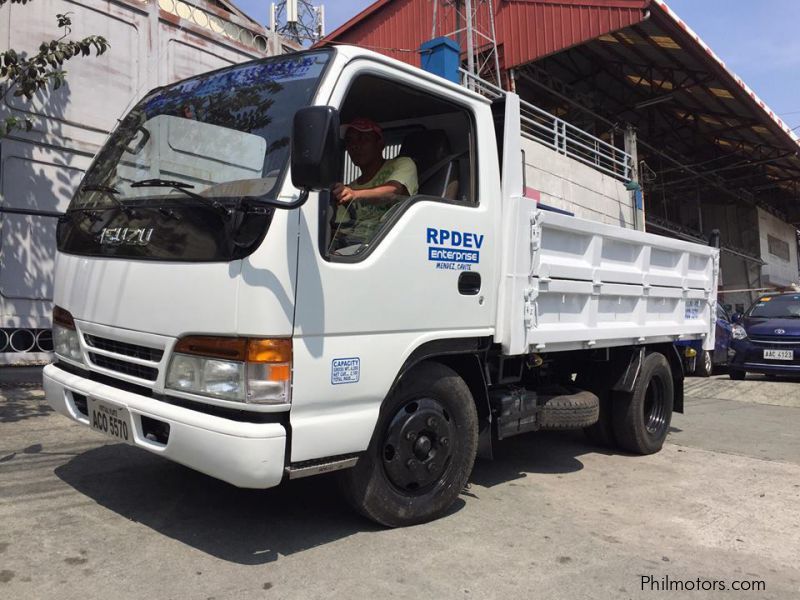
x,y
215,306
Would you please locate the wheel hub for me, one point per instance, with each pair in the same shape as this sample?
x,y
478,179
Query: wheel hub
x,y
417,447
422,447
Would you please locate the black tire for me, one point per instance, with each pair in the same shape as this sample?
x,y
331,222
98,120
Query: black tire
x,y
600,383
641,418
704,366
736,375
573,411
430,417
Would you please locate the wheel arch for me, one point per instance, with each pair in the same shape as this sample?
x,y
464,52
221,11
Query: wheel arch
x,y
467,357
628,361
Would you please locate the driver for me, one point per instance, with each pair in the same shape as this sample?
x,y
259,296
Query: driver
x,y
369,197
380,177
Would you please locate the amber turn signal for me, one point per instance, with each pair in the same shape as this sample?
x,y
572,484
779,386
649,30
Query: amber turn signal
x,y
269,350
253,350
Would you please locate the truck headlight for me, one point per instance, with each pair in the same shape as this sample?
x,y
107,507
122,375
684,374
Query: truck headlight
x,y
66,343
738,332
254,371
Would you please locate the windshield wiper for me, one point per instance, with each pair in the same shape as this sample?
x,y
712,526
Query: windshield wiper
x,y
110,191
183,187
99,188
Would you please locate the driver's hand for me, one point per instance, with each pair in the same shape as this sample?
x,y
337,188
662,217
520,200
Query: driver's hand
x,y
343,193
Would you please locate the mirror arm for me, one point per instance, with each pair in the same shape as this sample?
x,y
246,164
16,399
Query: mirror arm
x,y
301,199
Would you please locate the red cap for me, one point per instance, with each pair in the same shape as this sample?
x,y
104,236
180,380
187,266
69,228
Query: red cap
x,y
363,124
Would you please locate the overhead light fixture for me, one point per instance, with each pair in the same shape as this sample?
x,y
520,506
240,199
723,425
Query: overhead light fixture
x,y
654,101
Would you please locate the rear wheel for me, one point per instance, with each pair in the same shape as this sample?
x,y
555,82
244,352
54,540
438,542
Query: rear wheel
x,y
421,453
641,418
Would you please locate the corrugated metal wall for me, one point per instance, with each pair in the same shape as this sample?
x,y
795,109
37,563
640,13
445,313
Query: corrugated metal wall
x,y
526,29
535,28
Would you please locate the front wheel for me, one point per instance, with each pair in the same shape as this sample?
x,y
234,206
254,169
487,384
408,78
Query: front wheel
x,y
736,375
421,453
641,418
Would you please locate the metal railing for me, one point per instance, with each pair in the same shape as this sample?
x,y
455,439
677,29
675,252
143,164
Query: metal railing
x,y
541,126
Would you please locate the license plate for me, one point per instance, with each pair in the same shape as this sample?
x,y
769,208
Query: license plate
x,y
779,354
110,419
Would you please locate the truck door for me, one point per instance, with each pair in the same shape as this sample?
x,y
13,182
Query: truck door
x,y
375,285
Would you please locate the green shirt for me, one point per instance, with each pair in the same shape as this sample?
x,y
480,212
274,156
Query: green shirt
x,y
401,169
368,216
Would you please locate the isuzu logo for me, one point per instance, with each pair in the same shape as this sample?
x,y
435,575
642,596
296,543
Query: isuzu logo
x,y
132,236
780,331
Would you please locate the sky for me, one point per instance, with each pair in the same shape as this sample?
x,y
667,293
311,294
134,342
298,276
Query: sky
x,y
758,40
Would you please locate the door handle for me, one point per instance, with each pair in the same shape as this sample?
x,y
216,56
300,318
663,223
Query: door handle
x,y
469,283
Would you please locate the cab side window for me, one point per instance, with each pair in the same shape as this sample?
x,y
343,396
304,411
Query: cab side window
x,y
403,145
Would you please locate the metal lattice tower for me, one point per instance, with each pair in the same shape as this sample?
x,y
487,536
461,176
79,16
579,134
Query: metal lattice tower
x,y
471,24
298,20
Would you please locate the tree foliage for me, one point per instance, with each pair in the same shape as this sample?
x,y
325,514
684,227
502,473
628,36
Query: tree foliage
x,y
24,75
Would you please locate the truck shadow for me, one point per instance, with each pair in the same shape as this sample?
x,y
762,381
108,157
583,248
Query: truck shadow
x,y
243,526
253,527
545,453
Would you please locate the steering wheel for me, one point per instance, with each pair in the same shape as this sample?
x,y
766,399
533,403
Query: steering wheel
x,y
351,213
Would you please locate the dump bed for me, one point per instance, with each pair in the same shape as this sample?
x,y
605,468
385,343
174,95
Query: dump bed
x,y
569,283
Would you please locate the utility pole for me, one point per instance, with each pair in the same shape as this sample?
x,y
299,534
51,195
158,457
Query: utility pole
x,y
635,187
298,20
471,21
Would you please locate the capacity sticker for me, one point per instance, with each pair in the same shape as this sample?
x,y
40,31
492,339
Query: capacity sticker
x,y
345,370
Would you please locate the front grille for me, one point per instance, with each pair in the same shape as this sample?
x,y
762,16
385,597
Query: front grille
x,y
776,339
121,366
117,347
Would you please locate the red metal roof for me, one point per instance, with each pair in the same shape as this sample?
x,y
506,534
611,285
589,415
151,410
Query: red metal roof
x,y
526,29
531,29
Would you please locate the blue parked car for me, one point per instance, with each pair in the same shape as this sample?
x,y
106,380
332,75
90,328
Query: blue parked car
x,y
701,362
766,339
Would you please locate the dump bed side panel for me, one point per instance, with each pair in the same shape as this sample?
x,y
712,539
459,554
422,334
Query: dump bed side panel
x,y
596,285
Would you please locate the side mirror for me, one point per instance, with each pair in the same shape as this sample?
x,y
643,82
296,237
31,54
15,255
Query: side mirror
x,y
316,148
736,317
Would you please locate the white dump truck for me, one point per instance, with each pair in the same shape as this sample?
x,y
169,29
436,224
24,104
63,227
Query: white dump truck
x,y
215,307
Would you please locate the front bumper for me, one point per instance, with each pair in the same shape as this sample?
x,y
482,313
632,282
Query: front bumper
x,y
744,355
248,455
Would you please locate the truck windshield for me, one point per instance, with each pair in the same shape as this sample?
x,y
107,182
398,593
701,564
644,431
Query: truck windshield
x,y
194,159
776,307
